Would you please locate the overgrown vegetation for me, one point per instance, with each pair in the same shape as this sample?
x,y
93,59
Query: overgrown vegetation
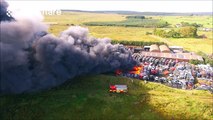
x,y
183,32
136,43
184,24
89,98
205,21
208,59
133,21
196,62
137,17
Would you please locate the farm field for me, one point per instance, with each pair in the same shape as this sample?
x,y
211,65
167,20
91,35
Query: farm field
x,y
72,71
122,33
133,33
190,44
132,22
89,98
195,45
205,20
78,18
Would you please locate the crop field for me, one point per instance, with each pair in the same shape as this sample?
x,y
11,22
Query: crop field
x,y
133,33
195,45
89,98
205,20
78,18
191,44
132,22
122,33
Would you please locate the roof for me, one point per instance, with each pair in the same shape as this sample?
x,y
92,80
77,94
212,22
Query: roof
x,y
164,48
154,48
146,46
181,56
180,47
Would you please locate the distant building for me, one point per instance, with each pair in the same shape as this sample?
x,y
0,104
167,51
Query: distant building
x,y
154,48
176,56
138,49
176,49
146,48
164,49
206,29
178,25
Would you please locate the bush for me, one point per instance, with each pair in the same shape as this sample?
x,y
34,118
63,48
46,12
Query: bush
x,y
196,62
160,32
184,32
138,17
189,31
148,33
207,58
136,43
174,34
184,24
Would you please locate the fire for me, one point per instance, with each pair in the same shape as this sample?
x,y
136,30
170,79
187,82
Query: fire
x,y
136,70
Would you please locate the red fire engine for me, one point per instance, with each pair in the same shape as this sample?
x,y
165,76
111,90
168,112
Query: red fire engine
x,y
118,88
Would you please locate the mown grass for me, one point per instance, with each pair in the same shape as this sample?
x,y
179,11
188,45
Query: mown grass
x,y
88,98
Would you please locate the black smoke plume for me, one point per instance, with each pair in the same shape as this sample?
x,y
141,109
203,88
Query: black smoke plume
x,y
4,14
33,60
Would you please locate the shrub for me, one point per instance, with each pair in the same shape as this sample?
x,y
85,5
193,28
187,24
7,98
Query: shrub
x,y
184,32
136,43
138,17
148,33
196,62
188,32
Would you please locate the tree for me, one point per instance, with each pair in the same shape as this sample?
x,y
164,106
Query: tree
x,y
161,33
188,31
173,33
184,24
196,62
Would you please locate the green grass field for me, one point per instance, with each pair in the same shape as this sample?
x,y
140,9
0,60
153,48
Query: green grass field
x,y
206,21
133,33
190,44
132,22
89,98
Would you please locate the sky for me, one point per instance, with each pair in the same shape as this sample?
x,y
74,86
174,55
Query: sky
x,y
142,6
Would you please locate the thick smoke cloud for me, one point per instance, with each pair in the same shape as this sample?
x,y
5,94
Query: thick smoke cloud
x,y
32,60
4,14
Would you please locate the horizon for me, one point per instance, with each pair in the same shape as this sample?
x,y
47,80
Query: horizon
x,y
128,11
136,6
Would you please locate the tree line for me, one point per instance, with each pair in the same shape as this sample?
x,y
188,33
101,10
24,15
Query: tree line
x,y
183,32
136,43
133,21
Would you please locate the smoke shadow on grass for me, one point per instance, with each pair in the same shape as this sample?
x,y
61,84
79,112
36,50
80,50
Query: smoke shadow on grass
x,y
88,97
85,97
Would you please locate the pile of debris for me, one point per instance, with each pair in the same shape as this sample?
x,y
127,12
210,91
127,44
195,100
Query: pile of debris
x,y
171,72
